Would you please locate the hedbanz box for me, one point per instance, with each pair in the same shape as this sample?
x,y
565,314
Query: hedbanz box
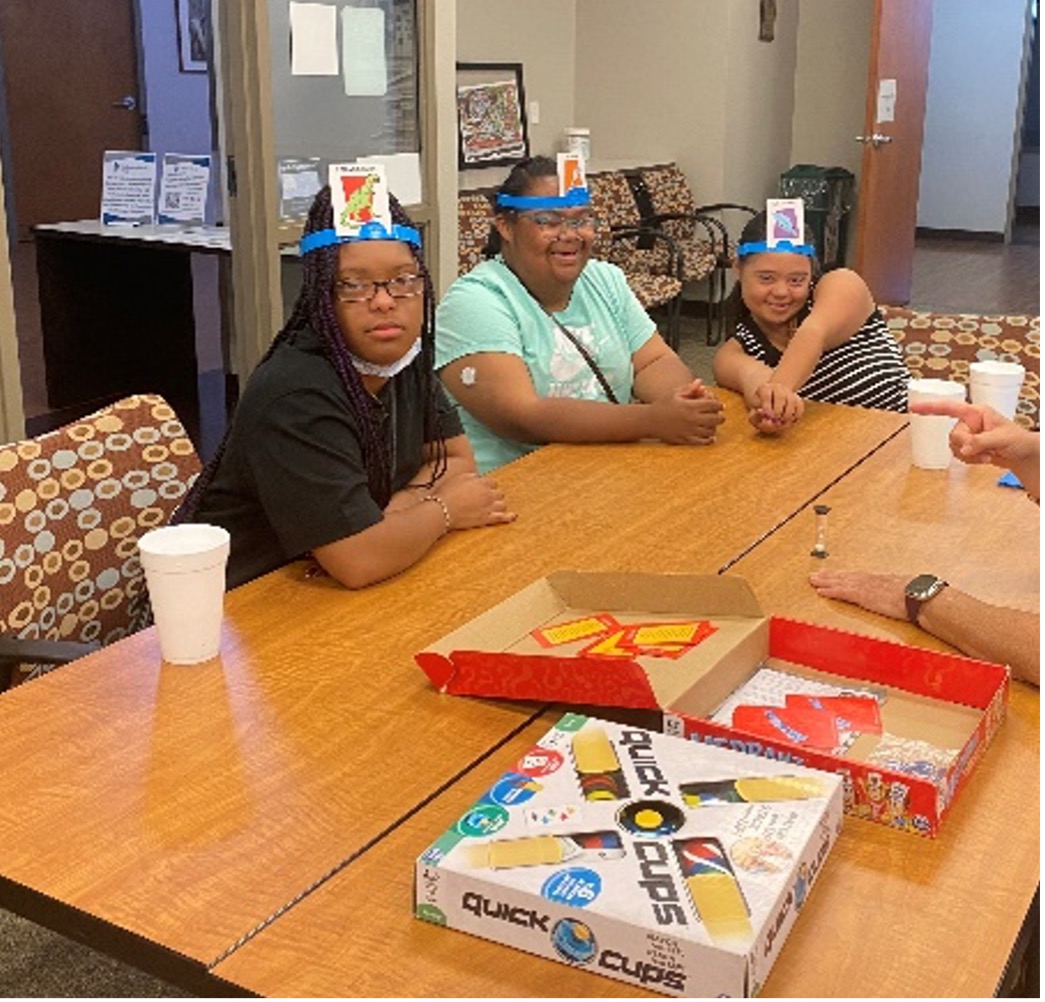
x,y
674,866
903,726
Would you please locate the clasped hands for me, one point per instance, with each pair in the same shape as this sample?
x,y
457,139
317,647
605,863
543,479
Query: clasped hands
x,y
688,416
773,408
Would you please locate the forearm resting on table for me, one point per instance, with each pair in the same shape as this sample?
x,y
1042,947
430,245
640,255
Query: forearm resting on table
x,y
988,632
735,370
659,371
398,541
561,419
799,359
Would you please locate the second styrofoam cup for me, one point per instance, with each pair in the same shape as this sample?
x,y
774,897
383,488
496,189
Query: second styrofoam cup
x,y
996,384
185,573
930,433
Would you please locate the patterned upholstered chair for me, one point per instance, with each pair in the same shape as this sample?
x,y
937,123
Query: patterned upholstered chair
x,y
702,233
648,257
73,503
474,218
941,346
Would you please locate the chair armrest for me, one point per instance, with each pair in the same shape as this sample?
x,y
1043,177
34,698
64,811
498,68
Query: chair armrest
x,y
15,650
674,257
713,228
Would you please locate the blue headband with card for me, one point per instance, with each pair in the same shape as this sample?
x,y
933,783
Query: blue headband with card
x,y
573,191
359,198
785,229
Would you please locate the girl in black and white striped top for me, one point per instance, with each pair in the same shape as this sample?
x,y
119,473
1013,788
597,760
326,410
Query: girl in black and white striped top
x,y
795,335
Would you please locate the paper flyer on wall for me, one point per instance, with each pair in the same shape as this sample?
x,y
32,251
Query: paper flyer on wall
x,y
299,180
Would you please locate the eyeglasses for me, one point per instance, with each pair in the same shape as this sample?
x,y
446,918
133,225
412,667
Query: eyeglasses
x,y
554,222
401,287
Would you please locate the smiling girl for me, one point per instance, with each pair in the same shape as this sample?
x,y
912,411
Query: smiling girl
x,y
796,335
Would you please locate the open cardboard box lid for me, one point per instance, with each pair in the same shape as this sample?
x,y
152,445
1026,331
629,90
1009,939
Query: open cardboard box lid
x,y
496,655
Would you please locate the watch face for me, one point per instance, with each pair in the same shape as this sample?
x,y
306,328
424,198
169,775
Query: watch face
x,y
924,586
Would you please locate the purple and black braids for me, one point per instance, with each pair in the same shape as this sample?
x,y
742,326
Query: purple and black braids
x,y
315,308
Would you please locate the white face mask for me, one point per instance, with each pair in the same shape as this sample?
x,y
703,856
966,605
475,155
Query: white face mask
x,y
365,368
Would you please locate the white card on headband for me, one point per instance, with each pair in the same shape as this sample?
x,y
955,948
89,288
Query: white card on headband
x,y
785,220
571,172
359,195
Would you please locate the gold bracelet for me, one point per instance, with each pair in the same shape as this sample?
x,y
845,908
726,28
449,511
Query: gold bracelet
x,y
446,511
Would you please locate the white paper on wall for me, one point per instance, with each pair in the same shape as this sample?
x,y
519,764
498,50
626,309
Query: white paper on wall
x,y
363,60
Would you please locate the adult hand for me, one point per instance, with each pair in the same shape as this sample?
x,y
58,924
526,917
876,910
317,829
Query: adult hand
x,y
474,501
982,435
689,416
881,593
775,408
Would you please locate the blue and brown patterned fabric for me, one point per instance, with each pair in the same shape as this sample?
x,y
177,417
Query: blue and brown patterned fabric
x,y
647,263
73,503
941,346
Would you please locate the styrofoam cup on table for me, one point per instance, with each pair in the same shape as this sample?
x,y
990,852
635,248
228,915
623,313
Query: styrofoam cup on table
x,y
930,433
185,573
996,384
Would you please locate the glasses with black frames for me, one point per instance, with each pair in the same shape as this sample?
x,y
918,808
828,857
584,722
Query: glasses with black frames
x,y
350,290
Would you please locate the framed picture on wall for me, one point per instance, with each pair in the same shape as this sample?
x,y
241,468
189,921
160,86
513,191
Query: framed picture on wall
x,y
193,20
491,115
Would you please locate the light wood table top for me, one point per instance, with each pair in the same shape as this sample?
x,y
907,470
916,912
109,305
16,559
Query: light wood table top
x,y
356,934
214,796
678,509
891,912
186,804
895,914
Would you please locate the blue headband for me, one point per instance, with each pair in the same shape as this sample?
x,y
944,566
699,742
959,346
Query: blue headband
x,y
574,198
780,247
368,231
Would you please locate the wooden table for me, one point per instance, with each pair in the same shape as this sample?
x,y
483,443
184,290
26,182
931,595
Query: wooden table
x,y
285,791
896,914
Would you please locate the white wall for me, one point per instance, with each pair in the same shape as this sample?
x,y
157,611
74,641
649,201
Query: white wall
x,y
540,35
688,80
831,82
971,116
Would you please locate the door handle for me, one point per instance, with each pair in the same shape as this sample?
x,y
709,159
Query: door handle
x,y
876,139
128,102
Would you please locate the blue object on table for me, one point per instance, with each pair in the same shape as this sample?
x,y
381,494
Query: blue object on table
x,y
1009,480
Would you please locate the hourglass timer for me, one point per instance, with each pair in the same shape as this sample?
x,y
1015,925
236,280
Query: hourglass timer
x,y
820,546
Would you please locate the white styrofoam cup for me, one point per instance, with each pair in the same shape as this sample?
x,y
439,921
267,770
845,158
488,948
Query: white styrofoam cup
x,y
996,384
185,573
930,433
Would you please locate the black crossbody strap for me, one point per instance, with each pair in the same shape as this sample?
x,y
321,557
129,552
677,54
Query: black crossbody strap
x,y
586,355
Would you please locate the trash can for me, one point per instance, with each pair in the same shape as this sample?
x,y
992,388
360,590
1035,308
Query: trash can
x,y
827,193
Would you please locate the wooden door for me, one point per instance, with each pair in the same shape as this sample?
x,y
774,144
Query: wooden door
x,y
70,72
887,207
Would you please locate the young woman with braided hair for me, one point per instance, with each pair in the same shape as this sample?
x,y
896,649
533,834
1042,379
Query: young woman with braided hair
x,y
343,444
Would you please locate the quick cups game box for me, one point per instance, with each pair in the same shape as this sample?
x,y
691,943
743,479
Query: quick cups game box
x,y
673,866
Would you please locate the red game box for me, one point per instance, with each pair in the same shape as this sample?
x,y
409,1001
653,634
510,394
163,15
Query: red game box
x,y
572,638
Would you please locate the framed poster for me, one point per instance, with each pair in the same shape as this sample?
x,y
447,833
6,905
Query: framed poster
x,y
491,116
193,35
